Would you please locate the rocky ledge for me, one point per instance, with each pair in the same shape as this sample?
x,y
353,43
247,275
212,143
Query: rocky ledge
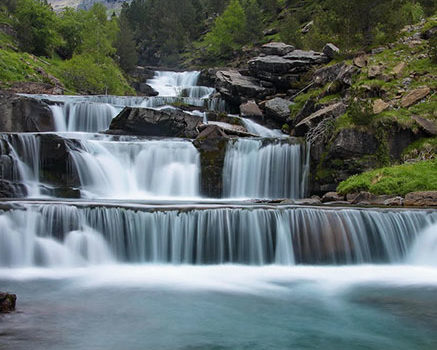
x,y
7,302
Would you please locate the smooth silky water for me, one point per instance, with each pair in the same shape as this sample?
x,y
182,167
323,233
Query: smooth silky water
x,y
141,261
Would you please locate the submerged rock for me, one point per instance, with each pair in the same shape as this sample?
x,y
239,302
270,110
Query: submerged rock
x,y
151,122
7,302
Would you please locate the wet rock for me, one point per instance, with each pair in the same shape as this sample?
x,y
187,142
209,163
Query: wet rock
x,y
380,106
308,201
278,108
228,129
394,202
330,50
150,122
276,49
415,96
145,89
334,110
7,302
24,114
428,125
251,110
419,199
237,88
332,197
10,189
211,144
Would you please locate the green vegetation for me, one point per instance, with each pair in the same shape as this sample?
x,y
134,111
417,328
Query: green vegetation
x,y
75,48
396,180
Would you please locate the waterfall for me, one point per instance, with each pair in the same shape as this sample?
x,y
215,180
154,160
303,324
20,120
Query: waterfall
x,y
254,169
260,130
424,251
172,83
24,151
142,169
48,234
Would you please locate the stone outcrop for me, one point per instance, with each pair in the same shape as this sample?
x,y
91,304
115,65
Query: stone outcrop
x,y
278,108
24,114
150,122
7,302
250,109
237,88
211,144
276,48
422,199
145,89
341,73
352,143
330,50
380,106
429,126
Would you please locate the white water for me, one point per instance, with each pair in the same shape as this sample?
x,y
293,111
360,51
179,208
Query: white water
x,y
138,170
424,250
256,170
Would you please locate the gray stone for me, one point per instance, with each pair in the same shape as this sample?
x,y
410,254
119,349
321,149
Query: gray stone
x,y
332,197
278,108
335,110
330,50
352,142
150,122
428,125
276,49
251,110
421,199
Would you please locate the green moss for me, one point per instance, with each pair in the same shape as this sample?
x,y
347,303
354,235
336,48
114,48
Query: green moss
x,y
397,180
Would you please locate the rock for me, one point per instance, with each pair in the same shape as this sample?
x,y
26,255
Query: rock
x,y
429,33
271,31
251,110
375,71
211,144
308,201
7,302
352,142
311,57
308,108
428,125
150,122
361,60
380,106
332,197
363,198
330,50
278,108
415,96
24,114
276,49
341,72
335,110
419,199
145,89
228,129
307,27
378,50
276,65
10,189
398,69
394,202
237,88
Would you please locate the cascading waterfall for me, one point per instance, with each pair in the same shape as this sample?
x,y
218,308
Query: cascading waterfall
x,y
48,234
256,169
110,169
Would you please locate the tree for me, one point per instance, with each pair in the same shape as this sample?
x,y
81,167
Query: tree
x,y
125,45
36,26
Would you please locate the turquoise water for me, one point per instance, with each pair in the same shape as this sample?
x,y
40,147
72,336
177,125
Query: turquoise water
x,y
222,307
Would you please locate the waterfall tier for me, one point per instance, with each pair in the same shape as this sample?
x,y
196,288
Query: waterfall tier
x,y
53,234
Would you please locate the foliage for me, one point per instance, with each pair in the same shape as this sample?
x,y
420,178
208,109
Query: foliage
x,y
36,27
396,180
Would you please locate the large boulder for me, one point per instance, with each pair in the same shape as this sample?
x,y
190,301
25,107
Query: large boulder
x,y
250,109
340,72
429,126
7,302
311,57
24,114
145,89
150,122
278,108
237,88
276,65
421,199
275,48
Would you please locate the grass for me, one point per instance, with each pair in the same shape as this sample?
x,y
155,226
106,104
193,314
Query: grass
x,y
396,180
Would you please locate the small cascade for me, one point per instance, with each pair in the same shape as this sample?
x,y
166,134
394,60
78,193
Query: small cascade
x,y
24,152
141,169
256,236
255,168
173,83
260,130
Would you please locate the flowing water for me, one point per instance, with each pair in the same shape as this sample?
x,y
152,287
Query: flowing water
x,y
141,261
